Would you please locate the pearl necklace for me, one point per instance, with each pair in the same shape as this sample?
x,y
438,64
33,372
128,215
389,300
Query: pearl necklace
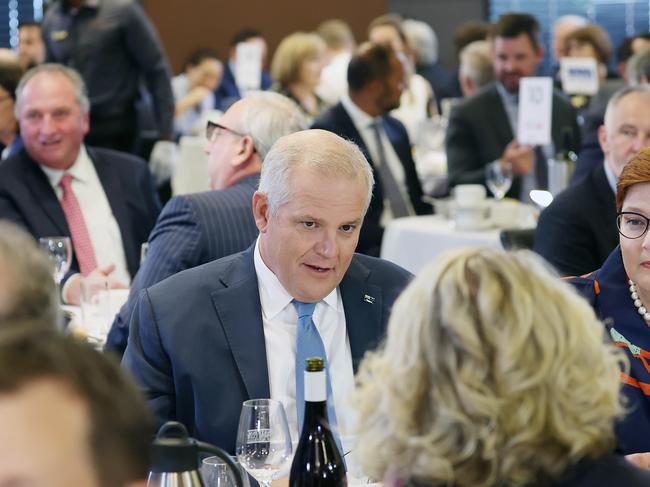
x,y
637,302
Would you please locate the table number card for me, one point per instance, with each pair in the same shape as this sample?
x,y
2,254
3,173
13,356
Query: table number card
x,y
535,105
248,66
579,75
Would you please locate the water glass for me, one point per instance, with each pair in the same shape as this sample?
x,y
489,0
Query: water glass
x,y
59,251
498,178
216,473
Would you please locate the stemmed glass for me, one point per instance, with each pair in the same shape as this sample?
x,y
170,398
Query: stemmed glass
x,y
498,178
263,440
59,251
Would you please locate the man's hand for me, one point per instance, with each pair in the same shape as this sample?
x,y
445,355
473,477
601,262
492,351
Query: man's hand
x,y
72,288
519,156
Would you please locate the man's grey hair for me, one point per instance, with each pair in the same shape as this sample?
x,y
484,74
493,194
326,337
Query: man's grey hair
x,y
638,68
476,63
268,118
80,91
320,150
574,20
618,96
27,289
422,39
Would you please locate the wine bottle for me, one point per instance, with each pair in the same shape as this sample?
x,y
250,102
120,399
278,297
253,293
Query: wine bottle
x,y
318,461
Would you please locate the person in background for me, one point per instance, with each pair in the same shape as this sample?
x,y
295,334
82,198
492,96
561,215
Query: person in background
x,y
194,90
68,415
114,47
482,130
475,71
577,231
231,89
375,83
562,27
27,291
296,68
418,101
619,292
10,73
30,48
629,47
57,186
638,68
423,42
340,44
194,229
493,373
470,31
590,41
204,340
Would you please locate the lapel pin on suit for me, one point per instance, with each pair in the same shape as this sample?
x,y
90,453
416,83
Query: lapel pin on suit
x,y
369,299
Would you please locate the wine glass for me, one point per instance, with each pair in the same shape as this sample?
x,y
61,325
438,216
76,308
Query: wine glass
x,y
263,440
498,178
59,251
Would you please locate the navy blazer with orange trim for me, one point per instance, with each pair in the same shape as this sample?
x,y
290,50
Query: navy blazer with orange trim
x,y
607,290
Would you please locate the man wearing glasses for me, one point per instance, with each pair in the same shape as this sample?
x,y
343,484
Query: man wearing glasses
x,y
198,228
578,231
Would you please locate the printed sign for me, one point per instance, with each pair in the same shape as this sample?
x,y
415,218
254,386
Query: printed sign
x,y
535,111
248,66
579,75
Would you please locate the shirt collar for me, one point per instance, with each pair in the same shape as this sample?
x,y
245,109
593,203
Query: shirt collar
x,y
611,177
360,118
81,169
506,96
273,296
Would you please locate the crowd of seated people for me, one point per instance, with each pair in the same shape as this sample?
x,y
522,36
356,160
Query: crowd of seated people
x,y
487,369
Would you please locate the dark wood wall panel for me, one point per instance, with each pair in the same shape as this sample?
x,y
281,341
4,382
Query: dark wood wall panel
x,y
185,25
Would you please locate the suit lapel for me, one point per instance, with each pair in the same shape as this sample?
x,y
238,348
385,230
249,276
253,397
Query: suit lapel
x,y
117,200
363,305
497,116
43,194
238,308
347,128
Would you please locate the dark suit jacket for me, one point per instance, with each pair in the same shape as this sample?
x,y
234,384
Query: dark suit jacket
x,y
227,92
479,131
444,83
337,120
192,229
578,230
27,198
196,344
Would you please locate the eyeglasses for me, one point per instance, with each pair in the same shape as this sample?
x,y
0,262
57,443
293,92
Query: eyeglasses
x,y
212,126
632,225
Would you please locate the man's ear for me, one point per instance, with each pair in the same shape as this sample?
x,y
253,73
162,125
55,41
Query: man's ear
x,y
602,140
261,212
246,151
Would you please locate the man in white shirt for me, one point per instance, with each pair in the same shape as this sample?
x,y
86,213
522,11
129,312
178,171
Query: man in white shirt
x,y
206,339
375,83
56,186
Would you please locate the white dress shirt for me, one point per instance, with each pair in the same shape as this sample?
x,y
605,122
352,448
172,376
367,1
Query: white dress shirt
x,y
280,319
103,229
364,125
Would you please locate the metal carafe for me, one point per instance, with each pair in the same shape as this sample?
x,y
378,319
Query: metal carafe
x,y
175,458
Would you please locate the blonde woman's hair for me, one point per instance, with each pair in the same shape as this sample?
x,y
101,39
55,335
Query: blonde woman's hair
x,y
494,372
291,53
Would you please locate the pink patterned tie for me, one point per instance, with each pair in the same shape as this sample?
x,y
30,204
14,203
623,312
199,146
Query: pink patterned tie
x,y
83,247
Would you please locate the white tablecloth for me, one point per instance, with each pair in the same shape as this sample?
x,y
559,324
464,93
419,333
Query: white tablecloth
x,y
415,241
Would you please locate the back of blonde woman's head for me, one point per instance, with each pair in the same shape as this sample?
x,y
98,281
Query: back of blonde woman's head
x,y
494,371
291,53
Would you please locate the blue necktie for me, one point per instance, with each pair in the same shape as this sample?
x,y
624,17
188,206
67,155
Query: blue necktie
x,y
310,344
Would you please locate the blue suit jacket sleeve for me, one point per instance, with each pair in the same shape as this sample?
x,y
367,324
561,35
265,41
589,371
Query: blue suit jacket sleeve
x,y
174,245
148,361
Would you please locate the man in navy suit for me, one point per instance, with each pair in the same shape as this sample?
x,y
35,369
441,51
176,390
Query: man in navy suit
x,y
577,232
55,186
208,338
375,84
197,228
